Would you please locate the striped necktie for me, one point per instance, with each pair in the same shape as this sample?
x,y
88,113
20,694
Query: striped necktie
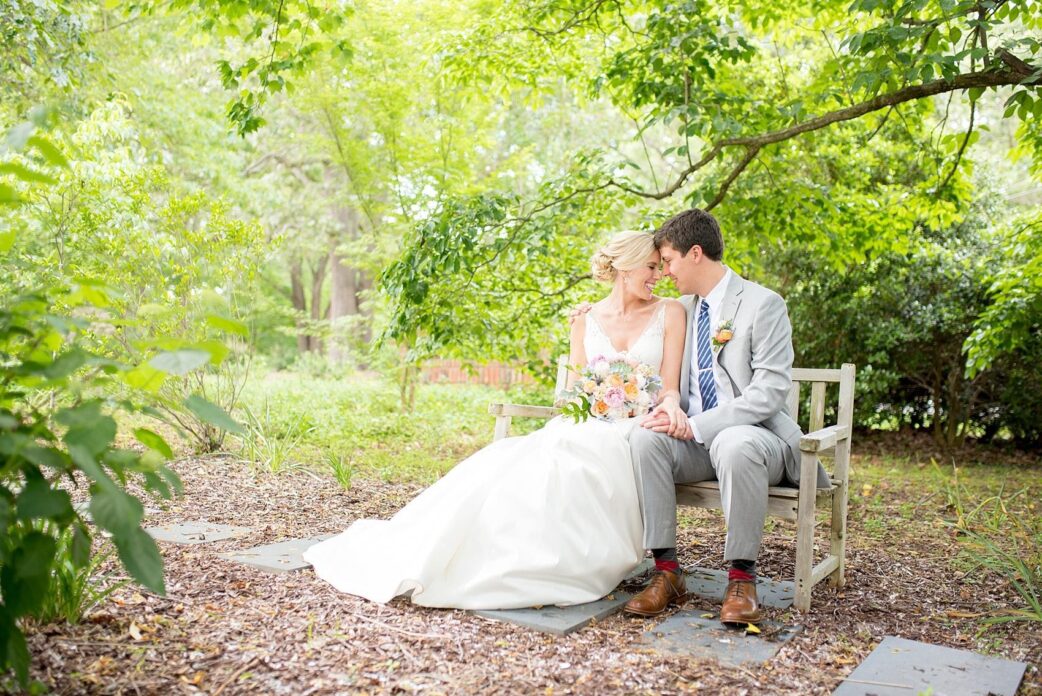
x,y
706,379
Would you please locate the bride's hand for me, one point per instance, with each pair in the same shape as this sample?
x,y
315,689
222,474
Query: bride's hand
x,y
577,311
670,419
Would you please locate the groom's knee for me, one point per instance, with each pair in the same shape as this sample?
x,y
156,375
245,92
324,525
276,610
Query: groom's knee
x,y
647,444
735,449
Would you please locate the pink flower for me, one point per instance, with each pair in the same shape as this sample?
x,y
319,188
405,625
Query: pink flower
x,y
615,397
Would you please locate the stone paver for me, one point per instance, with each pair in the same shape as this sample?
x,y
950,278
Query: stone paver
x,y
691,634
712,583
281,557
560,621
195,532
899,667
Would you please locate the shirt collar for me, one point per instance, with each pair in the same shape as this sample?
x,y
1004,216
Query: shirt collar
x,y
716,295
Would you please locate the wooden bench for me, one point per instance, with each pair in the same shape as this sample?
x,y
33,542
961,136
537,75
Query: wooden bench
x,y
799,504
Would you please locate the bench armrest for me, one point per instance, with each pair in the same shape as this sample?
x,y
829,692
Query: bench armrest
x,y
522,411
823,439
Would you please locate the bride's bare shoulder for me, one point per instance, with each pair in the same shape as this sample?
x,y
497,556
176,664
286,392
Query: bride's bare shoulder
x,y
675,310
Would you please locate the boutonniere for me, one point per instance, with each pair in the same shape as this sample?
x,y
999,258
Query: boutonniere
x,y
724,333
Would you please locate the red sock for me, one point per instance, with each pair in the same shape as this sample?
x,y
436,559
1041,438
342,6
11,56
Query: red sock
x,y
671,566
735,574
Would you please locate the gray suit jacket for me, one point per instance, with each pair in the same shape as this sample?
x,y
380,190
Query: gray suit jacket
x,y
758,364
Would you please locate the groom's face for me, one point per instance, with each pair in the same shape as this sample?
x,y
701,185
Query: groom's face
x,y
682,269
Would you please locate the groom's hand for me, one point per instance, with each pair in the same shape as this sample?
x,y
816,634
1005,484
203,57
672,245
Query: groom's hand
x,y
578,311
668,418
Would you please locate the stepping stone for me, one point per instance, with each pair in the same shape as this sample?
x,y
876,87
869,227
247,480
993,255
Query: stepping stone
x,y
195,532
281,557
711,585
899,667
688,634
560,621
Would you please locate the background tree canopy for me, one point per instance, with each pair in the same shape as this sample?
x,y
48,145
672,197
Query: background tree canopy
x,y
385,179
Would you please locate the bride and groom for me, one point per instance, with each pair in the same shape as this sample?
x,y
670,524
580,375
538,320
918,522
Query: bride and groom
x,y
561,515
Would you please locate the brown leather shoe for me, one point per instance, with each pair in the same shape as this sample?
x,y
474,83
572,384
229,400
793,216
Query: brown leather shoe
x,y
740,604
664,589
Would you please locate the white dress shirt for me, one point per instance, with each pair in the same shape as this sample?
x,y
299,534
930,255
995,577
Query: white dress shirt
x,y
723,394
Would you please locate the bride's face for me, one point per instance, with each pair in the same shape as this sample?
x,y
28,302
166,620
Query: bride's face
x,y
641,281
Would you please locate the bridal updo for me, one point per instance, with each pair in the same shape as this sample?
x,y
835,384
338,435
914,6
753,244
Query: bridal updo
x,y
623,252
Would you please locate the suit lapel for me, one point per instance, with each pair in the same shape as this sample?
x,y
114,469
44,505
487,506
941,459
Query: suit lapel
x,y
729,308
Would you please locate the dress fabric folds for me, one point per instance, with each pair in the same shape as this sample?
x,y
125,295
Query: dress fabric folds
x,y
548,518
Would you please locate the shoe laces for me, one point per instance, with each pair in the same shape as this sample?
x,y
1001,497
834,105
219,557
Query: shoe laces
x,y
736,589
661,579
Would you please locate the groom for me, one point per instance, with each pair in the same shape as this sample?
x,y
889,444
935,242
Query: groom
x,y
731,424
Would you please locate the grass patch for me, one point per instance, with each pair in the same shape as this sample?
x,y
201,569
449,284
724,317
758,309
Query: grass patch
x,y
356,427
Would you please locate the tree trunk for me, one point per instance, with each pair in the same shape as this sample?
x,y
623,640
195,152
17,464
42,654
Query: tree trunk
x,y
343,299
318,277
300,300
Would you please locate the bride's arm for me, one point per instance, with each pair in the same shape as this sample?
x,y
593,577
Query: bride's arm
x,y
576,352
667,417
673,350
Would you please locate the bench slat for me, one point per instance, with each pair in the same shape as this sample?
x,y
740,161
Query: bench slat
x,y
811,374
781,500
817,406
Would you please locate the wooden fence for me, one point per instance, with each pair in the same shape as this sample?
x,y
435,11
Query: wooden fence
x,y
456,372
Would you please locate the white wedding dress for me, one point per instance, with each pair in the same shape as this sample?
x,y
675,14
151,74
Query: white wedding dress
x,y
548,518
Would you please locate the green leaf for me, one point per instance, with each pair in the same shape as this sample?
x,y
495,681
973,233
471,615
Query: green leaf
x,y
14,653
20,171
50,153
19,135
95,437
154,482
39,501
46,456
7,240
179,362
23,580
116,510
65,364
9,195
212,414
140,556
145,377
153,441
228,325
81,545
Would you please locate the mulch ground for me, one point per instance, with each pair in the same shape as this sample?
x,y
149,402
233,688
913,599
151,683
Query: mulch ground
x,y
225,628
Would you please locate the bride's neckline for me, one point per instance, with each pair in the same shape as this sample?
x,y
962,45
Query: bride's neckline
x,y
654,318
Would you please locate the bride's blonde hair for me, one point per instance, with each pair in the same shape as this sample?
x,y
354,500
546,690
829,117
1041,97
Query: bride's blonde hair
x,y
623,252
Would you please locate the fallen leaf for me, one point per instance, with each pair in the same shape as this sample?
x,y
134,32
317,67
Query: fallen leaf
x,y
751,628
134,631
707,616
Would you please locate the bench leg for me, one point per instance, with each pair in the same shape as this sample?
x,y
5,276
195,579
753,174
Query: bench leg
x,y
837,578
502,427
805,531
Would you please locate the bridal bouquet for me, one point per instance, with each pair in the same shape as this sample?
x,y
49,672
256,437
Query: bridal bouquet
x,y
612,389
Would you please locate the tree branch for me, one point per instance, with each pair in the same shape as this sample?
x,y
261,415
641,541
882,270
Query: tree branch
x,y
962,148
1016,72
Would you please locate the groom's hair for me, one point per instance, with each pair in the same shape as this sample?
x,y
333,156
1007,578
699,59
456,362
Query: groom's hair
x,y
689,228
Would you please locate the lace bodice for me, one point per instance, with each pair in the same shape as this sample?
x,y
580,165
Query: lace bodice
x,y
647,348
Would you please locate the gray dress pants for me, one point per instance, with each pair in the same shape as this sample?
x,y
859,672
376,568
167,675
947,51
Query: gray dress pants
x,y
745,459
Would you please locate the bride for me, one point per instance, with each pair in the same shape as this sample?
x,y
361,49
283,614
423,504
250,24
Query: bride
x,y
549,518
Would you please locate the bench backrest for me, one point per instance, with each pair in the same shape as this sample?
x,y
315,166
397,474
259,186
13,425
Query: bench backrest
x,y
819,380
